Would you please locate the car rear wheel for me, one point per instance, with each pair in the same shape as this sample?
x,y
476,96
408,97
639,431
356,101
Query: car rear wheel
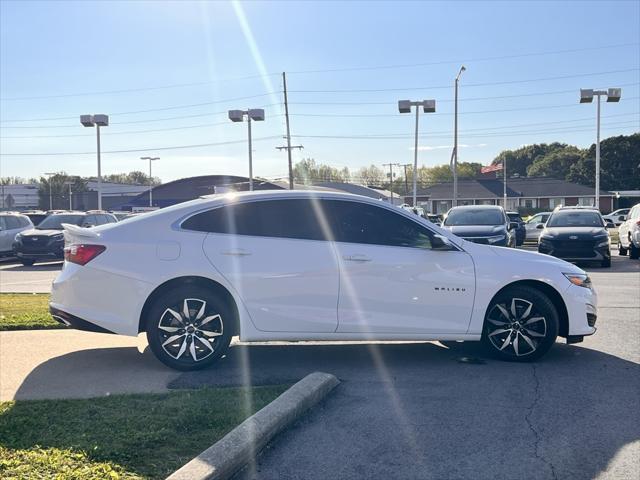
x,y
521,325
189,328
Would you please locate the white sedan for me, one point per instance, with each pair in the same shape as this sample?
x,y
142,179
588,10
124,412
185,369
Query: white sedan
x,y
304,265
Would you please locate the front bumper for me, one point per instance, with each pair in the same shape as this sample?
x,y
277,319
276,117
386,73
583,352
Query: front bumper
x,y
52,249
577,254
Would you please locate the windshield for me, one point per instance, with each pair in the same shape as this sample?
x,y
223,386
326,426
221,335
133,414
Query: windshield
x,y
575,219
474,217
514,217
54,222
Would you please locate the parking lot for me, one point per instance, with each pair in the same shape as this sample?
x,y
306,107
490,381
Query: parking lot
x,y
403,410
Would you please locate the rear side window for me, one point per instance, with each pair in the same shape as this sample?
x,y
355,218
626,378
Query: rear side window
x,y
12,222
289,218
354,222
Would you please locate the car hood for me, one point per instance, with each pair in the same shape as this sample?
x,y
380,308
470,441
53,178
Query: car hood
x,y
582,233
475,230
519,258
34,232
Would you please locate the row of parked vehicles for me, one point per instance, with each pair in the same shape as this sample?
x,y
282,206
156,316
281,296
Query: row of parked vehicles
x,y
575,234
34,236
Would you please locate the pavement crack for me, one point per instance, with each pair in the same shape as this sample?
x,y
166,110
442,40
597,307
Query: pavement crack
x,y
536,434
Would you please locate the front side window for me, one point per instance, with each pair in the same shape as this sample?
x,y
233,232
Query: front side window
x,y
354,222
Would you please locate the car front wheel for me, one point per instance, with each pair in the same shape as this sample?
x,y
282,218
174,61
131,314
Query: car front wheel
x,y
634,252
189,328
621,250
521,325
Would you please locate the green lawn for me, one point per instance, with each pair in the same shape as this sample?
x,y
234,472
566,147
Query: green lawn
x,y
25,311
121,436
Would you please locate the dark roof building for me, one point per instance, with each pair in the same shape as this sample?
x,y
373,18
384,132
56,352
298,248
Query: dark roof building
x,y
523,193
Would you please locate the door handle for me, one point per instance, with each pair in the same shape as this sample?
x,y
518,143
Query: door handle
x,y
357,258
236,253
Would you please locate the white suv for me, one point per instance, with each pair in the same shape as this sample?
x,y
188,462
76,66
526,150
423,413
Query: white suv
x,y
11,223
629,234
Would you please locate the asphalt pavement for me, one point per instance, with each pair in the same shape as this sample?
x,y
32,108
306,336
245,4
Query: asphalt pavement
x,y
403,410
16,278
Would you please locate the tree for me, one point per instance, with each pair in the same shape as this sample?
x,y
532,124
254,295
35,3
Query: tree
x,y
519,160
619,164
556,164
308,171
132,178
57,188
371,175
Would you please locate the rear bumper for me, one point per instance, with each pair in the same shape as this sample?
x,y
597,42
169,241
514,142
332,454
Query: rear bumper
x,y
75,322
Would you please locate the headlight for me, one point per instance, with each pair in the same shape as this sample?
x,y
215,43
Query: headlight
x,y
496,238
58,237
18,237
603,240
545,239
579,279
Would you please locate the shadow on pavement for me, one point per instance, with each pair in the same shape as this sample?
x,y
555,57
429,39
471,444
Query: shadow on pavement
x,y
38,267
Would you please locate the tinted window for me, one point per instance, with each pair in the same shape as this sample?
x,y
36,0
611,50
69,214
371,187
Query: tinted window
x,y
3,225
514,217
54,222
354,222
110,219
299,219
575,219
474,216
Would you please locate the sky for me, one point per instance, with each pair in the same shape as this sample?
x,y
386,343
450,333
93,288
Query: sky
x,y
167,73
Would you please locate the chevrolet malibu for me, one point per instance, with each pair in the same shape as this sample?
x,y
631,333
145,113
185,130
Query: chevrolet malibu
x,y
304,265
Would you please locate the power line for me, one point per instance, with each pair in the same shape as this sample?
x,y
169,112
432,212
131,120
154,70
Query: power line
x,y
174,147
468,60
505,82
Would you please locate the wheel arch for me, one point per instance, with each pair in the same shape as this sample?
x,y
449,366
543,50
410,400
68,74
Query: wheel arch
x,y
549,291
212,285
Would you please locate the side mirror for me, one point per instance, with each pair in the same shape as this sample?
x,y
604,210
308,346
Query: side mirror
x,y
441,243
513,225
540,226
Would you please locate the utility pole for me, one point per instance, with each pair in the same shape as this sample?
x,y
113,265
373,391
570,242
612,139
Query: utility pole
x,y
288,148
455,139
391,165
286,115
504,173
151,159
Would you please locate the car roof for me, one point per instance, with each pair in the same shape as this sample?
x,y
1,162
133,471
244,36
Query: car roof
x,y
477,207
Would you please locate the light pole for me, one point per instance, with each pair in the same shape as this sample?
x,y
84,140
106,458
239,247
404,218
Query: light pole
x,y
151,159
256,114
404,106
586,96
50,174
69,185
455,140
99,120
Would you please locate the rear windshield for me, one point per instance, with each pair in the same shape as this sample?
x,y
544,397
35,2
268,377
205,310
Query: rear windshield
x,y
575,219
514,217
474,217
54,222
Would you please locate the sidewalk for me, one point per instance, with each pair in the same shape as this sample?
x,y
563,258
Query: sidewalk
x,y
72,364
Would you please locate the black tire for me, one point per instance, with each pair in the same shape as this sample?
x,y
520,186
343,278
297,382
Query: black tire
x,y
634,252
210,321
532,338
27,262
621,250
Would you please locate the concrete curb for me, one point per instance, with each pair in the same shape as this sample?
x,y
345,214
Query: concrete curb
x,y
225,457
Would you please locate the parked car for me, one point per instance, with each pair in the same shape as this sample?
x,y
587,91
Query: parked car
x,y
434,218
629,234
36,216
46,241
521,231
120,215
576,234
534,226
618,217
273,265
486,224
11,224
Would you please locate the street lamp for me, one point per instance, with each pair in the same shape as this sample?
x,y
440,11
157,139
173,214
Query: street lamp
x,y
455,140
99,120
69,185
404,106
50,174
151,159
586,96
256,114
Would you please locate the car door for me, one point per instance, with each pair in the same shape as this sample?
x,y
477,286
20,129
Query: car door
x,y
5,235
391,280
274,253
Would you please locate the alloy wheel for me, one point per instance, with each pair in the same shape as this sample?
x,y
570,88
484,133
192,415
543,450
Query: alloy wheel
x,y
189,332
516,329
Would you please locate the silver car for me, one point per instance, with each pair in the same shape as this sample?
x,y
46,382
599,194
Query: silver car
x,y
11,224
534,226
629,234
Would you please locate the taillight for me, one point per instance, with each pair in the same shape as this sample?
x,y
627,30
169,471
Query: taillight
x,y
82,254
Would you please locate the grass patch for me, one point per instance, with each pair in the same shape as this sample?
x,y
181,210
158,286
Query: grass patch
x,y
145,436
26,311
